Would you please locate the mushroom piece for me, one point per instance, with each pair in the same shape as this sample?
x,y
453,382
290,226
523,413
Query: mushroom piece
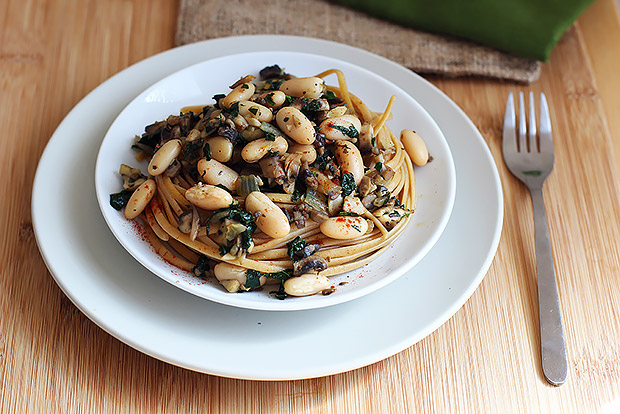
x,y
366,186
174,169
308,250
390,216
309,264
132,177
185,222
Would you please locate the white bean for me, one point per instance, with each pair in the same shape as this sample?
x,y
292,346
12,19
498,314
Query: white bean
x,y
350,159
164,157
208,197
336,112
227,271
249,109
214,172
310,87
296,125
306,284
268,216
140,199
415,146
308,152
241,92
344,228
257,149
221,148
334,128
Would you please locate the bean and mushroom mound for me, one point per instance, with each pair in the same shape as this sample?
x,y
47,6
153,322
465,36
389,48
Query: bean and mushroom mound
x,y
283,181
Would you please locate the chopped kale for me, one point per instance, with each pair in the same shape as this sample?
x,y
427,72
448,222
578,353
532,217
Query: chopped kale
x,y
120,199
252,277
190,147
217,98
347,182
329,95
269,99
207,151
379,166
351,132
348,213
274,85
280,293
202,267
294,246
233,110
235,212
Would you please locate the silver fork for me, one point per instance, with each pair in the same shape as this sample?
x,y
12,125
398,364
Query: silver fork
x,y
531,162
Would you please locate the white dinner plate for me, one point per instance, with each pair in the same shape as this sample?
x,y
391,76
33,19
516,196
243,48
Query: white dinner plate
x,y
196,84
145,312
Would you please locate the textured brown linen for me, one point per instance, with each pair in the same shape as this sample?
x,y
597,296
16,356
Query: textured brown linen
x,y
419,51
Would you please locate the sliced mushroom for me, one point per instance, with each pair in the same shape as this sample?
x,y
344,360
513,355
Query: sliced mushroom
x,y
185,222
132,177
390,216
366,186
272,169
309,264
174,169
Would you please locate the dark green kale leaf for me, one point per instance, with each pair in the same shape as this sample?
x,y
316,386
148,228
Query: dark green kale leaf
x,y
351,132
202,267
294,246
347,182
120,199
252,277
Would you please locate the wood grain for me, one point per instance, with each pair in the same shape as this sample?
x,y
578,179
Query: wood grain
x,y
485,359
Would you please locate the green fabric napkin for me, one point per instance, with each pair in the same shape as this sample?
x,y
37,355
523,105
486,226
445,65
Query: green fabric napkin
x,y
528,28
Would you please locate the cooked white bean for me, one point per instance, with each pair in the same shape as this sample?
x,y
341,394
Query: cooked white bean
x,y
257,149
350,159
310,87
272,99
296,125
268,216
227,271
214,172
345,127
306,284
336,112
221,148
249,109
308,153
344,228
241,92
415,146
140,199
164,157
208,197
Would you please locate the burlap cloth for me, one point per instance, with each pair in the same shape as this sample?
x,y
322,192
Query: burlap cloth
x,y
417,50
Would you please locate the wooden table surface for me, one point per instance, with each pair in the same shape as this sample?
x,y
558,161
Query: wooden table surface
x,y
484,359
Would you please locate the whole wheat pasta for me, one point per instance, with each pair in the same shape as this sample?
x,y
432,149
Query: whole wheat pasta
x,y
279,178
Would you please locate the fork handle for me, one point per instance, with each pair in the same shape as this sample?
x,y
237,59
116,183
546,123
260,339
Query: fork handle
x,y
553,348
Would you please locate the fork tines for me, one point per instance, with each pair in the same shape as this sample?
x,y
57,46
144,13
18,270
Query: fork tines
x,y
529,144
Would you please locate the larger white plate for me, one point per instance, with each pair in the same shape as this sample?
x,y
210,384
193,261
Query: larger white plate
x,y
435,183
124,298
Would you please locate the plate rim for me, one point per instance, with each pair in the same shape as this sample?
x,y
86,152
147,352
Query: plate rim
x,y
308,373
